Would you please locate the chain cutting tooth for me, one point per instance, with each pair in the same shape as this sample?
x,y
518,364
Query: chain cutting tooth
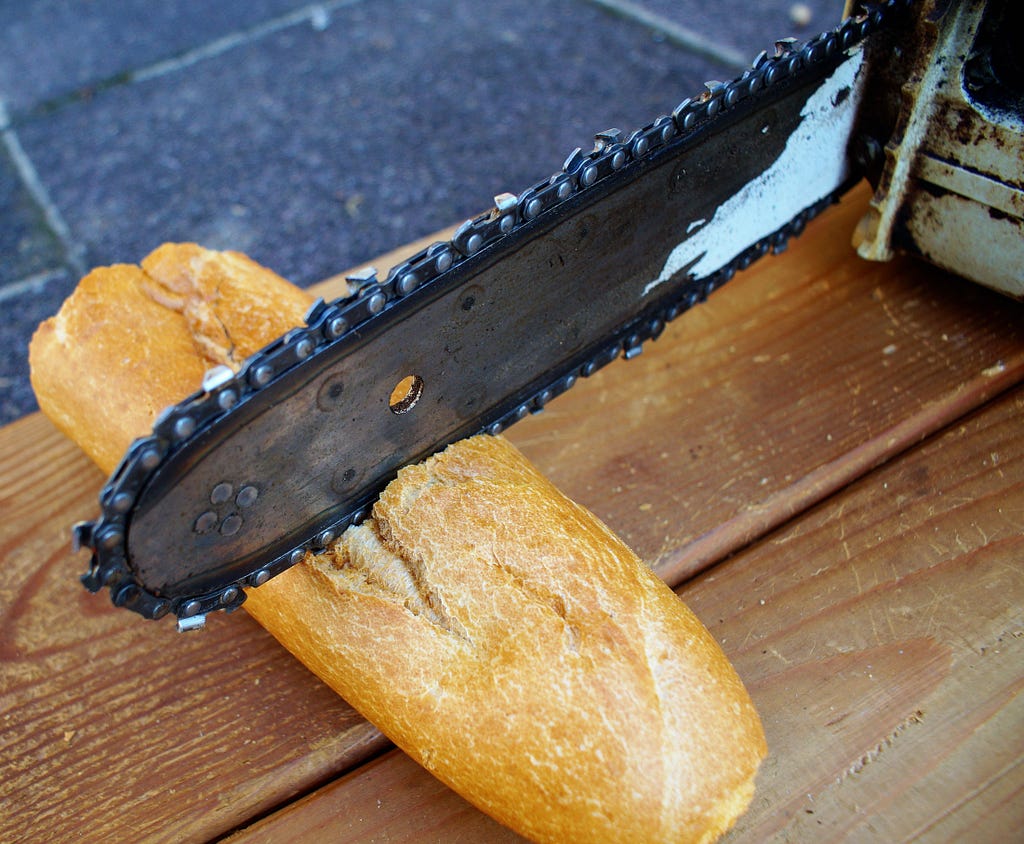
x,y
605,139
81,536
315,311
91,579
191,623
505,203
360,279
785,47
685,115
574,161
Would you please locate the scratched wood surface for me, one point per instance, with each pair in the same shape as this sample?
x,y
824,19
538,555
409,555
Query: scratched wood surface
x,y
765,403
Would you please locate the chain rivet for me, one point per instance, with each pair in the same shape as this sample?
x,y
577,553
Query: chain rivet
x,y
262,374
150,459
336,326
184,427
227,399
406,284
376,303
205,523
111,538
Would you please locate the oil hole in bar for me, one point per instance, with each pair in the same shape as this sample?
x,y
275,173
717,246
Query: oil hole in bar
x,y
405,394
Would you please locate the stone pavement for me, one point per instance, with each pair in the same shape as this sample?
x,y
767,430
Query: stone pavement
x,y
314,136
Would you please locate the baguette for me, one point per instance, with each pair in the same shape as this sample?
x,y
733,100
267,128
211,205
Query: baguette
x,y
130,340
494,630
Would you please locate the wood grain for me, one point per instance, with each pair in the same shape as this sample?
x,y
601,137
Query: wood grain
x,y
882,638
115,730
389,799
791,382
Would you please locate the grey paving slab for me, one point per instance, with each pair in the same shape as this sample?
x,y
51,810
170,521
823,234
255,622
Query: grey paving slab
x,y
27,244
53,48
316,150
316,146
749,26
21,310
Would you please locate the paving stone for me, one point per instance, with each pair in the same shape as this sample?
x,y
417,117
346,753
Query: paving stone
x,y
23,308
27,244
747,27
320,145
55,48
316,150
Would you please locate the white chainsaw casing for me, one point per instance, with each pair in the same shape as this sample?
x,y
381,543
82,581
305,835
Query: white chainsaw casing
x,y
951,188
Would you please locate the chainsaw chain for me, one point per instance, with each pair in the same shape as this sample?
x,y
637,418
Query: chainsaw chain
x,y
330,323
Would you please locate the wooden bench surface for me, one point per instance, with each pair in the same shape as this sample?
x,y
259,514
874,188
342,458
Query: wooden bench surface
x,y
826,460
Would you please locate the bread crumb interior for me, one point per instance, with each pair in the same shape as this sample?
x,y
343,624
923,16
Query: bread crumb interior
x,y
364,562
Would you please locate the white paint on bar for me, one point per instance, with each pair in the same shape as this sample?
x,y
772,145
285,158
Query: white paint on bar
x,y
812,165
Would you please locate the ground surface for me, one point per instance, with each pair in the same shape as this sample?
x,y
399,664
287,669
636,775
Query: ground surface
x,y
314,136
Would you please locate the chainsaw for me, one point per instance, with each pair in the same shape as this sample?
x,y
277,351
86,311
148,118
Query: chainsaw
x,y
237,482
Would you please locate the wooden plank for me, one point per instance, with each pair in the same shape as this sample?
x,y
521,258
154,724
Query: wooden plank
x,y
116,730
882,636
883,639
390,799
791,380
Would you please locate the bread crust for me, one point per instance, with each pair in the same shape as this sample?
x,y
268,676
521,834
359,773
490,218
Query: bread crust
x,y
525,656
496,631
131,340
